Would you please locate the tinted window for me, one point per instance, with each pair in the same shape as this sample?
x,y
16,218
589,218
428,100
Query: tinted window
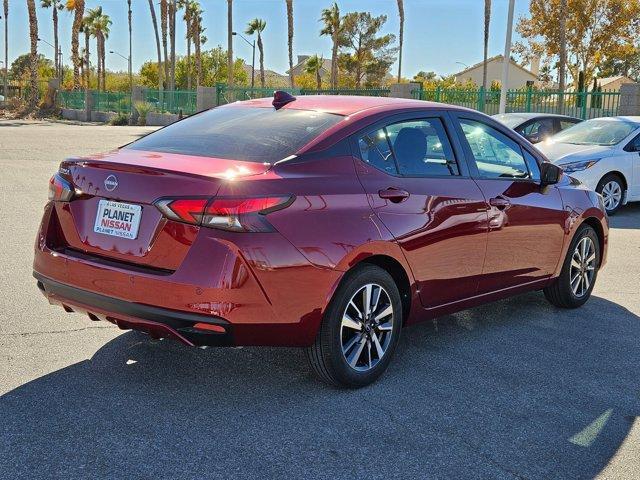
x,y
421,148
495,154
375,149
567,123
240,133
538,130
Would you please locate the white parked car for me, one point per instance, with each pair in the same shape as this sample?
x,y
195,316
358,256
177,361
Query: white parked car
x,y
604,154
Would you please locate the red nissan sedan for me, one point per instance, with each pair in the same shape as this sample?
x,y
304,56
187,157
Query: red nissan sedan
x,y
320,222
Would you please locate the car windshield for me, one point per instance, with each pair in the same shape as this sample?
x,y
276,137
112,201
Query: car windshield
x,y
509,119
251,134
596,132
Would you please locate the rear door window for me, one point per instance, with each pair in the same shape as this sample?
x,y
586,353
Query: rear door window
x,y
250,134
422,148
415,148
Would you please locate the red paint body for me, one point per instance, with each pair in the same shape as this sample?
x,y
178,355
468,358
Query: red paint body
x,y
453,247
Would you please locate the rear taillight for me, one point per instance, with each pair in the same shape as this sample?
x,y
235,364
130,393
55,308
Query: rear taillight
x,y
236,214
60,190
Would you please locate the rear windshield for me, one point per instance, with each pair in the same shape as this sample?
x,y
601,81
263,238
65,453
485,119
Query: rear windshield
x,y
240,133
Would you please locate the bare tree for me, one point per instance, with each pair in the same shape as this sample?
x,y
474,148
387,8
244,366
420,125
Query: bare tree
x,y
290,40
562,18
400,37
229,43
154,20
34,94
487,22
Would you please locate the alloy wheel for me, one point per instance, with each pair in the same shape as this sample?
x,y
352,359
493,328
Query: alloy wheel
x,y
582,267
366,327
611,194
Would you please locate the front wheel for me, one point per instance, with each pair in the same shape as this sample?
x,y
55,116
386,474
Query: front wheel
x,y
360,329
579,271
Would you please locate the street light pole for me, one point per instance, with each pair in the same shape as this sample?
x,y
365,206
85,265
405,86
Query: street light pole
x,y
253,57
57,53
128,59
506,61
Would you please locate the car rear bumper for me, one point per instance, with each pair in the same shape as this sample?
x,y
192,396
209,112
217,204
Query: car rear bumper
x,y
260,288
155,321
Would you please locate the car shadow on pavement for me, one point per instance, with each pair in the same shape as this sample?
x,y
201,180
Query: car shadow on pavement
x,y
627,217
512,389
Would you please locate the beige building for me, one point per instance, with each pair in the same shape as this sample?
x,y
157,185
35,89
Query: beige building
x,y
519,77
611,83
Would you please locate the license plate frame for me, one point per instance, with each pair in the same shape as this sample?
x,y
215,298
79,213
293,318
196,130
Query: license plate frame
x,y
118,219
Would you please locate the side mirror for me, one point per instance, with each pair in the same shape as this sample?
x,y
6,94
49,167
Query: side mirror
x,y
549,174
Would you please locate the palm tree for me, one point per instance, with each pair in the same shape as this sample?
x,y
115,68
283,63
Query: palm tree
x,y
154,20
400,37
77,6
487,21
562,65
55,5
172,11
257,25
130,46
188,6
33,36
290,40
6,48
229,43
164,13
198,41
86,28
101,24
333,28
313,66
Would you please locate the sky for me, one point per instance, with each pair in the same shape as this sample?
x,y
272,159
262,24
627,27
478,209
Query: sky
x,y
438,33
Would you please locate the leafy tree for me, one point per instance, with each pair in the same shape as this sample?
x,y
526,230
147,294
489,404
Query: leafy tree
x,y
366,55
313,66
214,68
596,30
627,64
21,67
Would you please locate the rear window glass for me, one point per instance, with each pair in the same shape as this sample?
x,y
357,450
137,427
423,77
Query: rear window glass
x,y
240,133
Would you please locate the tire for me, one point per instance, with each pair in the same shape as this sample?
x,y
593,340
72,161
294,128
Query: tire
x,y
564,292
339,330
611,187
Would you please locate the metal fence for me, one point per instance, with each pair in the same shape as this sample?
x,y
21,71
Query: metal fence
x,y
118,102
171,101
71,99
577,104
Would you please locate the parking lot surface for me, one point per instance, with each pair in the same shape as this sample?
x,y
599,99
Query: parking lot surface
x,y
514,389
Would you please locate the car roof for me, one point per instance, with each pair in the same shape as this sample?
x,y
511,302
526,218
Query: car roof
x,y
530,115
347,104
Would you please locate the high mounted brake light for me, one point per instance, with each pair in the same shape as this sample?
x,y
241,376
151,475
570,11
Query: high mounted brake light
x,y
235,214
60,190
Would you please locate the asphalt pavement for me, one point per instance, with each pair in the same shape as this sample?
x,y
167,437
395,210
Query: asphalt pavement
x,y
514,389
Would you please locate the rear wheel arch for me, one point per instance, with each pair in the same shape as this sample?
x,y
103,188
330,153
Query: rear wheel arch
x,y
394,268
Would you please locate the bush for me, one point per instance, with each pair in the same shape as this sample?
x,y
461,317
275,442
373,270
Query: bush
x,y
120,120
143,108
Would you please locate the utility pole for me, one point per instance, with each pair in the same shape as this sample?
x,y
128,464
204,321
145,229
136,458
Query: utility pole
x,y
506,61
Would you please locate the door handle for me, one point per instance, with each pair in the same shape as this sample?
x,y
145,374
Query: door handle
x,y
500,203
393,194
